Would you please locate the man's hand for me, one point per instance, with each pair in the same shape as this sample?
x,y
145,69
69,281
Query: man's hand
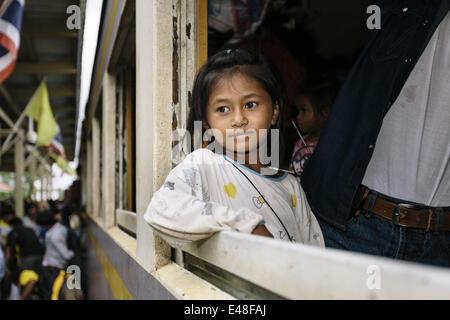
x,y
262,231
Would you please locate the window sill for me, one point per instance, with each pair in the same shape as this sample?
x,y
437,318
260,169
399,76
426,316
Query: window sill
x,y
181,283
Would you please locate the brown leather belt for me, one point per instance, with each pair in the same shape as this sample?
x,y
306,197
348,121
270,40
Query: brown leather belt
x,y
406,215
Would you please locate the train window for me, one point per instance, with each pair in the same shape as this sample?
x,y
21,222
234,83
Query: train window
x,y
125,152
123,66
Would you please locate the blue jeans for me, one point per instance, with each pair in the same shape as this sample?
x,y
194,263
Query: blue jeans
x,y
372,234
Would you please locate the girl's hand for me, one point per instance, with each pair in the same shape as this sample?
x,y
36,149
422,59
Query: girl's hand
x,y
262,231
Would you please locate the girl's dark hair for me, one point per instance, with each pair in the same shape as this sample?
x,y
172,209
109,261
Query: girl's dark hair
x,y
225,63
321,92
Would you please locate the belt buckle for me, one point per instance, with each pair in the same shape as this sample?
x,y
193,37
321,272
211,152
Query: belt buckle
x,y
397,214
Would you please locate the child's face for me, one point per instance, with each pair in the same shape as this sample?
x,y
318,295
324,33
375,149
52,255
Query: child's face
x,y
308,121
238,108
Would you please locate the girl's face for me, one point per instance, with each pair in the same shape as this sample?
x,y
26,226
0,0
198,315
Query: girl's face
x,y
238,108
307,119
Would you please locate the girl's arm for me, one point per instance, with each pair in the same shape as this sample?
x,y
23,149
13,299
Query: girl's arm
x,y
180,212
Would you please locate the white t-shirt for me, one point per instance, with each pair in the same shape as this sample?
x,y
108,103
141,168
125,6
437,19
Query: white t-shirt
x,y
57,254
205,194
411,159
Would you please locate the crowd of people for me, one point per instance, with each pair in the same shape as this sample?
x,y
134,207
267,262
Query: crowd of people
x,y
37,249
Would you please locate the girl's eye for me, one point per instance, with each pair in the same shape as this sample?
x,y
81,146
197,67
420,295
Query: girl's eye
x,y
251,104
223,109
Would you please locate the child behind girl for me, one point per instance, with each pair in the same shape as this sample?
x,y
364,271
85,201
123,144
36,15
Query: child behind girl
x,y
314,100
237,96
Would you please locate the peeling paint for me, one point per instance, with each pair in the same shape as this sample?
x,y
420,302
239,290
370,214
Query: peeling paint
x,y
175,59
188,31
174,123
174,127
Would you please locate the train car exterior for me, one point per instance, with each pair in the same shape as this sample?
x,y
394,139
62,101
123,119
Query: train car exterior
x,y
146,60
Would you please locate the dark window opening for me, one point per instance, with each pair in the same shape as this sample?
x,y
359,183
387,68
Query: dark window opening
x,y
304,39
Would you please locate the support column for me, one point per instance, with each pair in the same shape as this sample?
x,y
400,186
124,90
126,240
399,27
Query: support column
x,y
50,185
84,179
108,150
89,207
41,175
32,177
96,201
154,44
19,172
45,184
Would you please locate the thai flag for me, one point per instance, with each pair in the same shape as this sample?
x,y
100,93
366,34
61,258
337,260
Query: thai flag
x,y
11,12
56,152
56,145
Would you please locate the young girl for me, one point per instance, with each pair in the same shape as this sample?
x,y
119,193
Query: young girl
x,y
314,101
237,96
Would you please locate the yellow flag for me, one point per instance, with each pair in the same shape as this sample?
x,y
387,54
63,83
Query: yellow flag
x,y
60,161
39,109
